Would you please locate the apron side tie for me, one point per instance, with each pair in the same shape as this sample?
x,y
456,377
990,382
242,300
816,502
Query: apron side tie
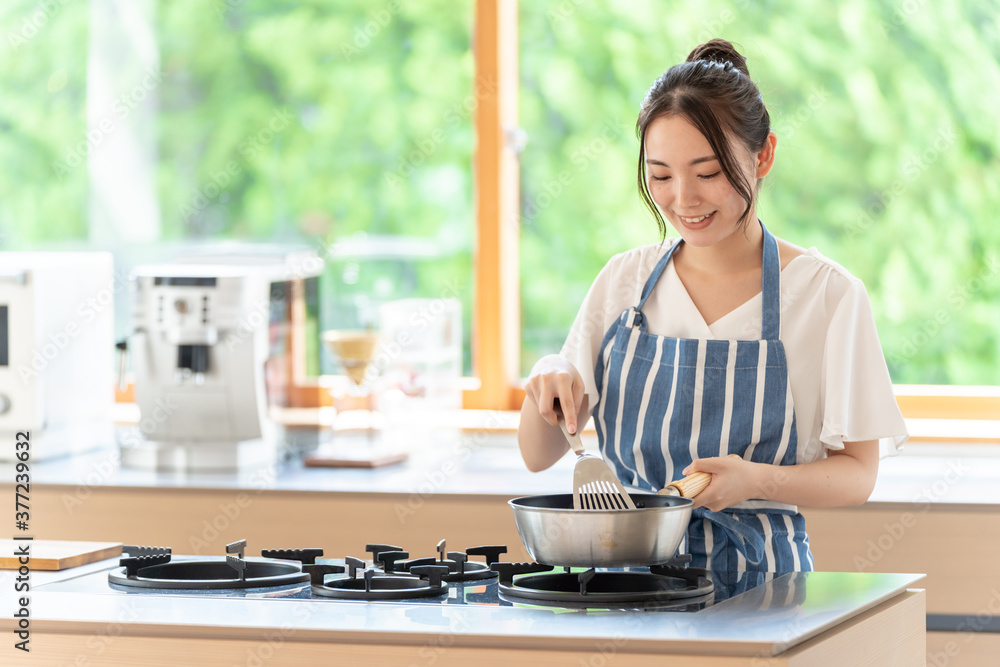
x,y
747,541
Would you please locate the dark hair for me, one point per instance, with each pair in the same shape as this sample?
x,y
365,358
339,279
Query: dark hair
x,y
713,90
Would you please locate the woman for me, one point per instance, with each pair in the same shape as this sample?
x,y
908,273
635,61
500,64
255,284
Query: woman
x,y
724,341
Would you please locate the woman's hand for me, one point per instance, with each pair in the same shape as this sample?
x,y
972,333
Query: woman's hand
x,y
733,481
845,477
540,440
555,383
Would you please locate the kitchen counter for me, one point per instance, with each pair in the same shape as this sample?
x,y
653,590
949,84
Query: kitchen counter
x,y
450,460
455,485
797,619
487,463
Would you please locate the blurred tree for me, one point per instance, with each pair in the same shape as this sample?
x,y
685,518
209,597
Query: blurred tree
x,y
887,156
43,123
318,119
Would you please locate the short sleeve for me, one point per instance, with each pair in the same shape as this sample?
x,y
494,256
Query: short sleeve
x,y
583,343
858,401
616,288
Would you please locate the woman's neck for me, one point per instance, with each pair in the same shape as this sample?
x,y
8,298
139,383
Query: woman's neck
x,y
741,251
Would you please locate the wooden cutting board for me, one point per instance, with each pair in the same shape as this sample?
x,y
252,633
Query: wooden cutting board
x,y
55,554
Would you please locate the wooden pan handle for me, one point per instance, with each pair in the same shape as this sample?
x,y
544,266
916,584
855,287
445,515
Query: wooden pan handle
x,y
693,484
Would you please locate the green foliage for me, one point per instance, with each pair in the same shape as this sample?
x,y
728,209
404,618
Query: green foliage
x,y
887,156
43,122
313,120
327,119
278,120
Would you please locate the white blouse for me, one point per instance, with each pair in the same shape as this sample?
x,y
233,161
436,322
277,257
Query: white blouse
x,y
841,389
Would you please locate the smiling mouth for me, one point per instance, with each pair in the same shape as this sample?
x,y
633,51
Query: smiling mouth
x,y
692,221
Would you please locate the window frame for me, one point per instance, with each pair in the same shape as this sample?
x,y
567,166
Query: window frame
x,y
496,384
496,319
496,336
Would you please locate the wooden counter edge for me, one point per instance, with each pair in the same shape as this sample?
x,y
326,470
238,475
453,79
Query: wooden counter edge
x,y
890,633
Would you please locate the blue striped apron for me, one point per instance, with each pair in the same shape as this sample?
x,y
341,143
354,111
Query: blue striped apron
x,y
666,401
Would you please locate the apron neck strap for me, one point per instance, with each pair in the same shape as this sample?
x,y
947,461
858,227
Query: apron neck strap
x,y
647,289
770,327
770,293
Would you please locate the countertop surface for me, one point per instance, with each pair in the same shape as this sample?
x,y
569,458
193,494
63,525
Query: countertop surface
x,y
486,462
765,620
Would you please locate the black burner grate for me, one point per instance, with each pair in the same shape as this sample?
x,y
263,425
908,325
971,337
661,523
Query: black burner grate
x,y
460,568
661,584
424,581
153,567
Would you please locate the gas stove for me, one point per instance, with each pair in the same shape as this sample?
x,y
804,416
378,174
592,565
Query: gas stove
x,y
473,576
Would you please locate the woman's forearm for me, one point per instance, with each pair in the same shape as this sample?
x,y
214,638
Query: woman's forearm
x,y
844,478
553,386
541,444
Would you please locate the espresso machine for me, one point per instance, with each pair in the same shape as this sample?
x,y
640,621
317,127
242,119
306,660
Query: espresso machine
x,y
210,342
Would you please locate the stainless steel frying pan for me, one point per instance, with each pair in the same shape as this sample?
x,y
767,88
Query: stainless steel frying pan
x,y
556,534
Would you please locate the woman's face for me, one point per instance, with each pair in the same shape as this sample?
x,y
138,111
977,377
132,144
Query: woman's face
x,y
686,181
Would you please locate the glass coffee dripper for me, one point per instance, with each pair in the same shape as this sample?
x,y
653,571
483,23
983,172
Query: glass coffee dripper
x,y
355,350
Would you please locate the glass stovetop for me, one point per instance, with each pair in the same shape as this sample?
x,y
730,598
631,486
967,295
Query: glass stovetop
x,y
482,592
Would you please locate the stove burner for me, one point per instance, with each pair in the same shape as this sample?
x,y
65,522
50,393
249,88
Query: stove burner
x,y
304,556
422,581
152,567
393,576
663,583
460,568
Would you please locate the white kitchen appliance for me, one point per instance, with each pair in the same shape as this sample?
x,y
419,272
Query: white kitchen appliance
x,y
209,342
56,366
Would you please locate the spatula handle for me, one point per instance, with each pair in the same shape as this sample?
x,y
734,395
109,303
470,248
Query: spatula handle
x,y
691,485
574,440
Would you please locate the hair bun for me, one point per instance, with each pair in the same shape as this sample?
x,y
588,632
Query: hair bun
x,y
720,51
